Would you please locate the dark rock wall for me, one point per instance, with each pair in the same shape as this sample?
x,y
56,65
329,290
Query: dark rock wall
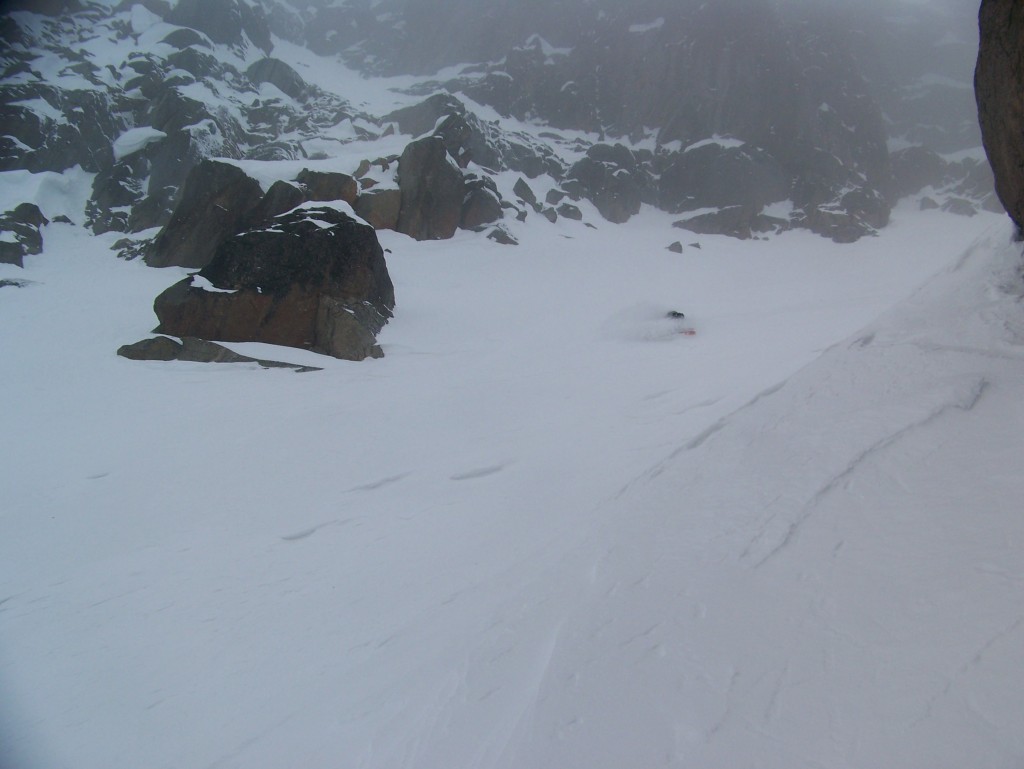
x,y
999,89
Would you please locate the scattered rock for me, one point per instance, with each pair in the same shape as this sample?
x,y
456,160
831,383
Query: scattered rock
x,y
676,248
501,235
569,211
21,234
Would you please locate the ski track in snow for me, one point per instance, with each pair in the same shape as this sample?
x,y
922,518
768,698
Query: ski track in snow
x,y
544,530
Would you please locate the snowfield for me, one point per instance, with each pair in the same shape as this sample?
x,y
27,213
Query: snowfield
x,y
546,530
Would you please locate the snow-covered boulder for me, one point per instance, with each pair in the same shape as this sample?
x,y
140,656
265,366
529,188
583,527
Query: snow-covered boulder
x,y
313,278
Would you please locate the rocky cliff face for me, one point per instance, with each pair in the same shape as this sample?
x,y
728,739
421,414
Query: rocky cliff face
x,y
999,87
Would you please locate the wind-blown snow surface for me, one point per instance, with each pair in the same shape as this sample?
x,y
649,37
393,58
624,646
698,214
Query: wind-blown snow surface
x,y
546,530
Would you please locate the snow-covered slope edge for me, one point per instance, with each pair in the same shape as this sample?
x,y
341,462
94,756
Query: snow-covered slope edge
x,y
831,576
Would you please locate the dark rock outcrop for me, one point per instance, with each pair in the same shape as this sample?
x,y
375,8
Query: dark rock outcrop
x,y
432,189
743,222
279,74
612,178
717,176
915,168
482,204
224,21
999,89
217,201
315,279
21,234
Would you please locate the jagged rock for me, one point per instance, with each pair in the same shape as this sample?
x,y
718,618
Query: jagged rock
x,y
21,234
315,279
195,350
960,207
217,200
482,204
457,134
185,38
999,89
279,74
611,178
569,211
275,150
380,207
52,129
199,64
523,192
432,189
466,137
224,21
915,168
503,236
327,186
280,198
675,248
717,176
835,223
424,117
742,222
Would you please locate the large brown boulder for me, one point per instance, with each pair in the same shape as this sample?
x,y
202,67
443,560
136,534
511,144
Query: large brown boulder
x,y
380,207
316,279
217,200
326,185
432,188
999,89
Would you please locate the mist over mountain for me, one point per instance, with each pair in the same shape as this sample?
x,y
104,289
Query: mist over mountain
x,y
749,116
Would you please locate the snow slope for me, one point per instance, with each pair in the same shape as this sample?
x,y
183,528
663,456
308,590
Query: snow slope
x,y
546,530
